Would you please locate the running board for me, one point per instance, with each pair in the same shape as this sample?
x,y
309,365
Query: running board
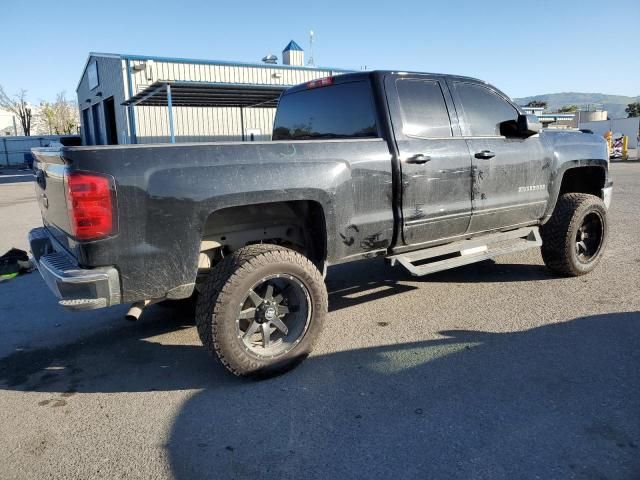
x,y
467,251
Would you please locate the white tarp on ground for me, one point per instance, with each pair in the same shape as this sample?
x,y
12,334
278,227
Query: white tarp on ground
x,y
625,126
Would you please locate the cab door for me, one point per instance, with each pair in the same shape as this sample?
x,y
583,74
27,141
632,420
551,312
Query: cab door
x,y
510,174
434,159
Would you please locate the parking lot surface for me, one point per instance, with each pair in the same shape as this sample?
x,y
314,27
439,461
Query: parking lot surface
x,y
494,370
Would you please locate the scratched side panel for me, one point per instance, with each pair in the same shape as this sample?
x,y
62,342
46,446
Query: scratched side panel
x,y
166,192
436,194
512,187
436,200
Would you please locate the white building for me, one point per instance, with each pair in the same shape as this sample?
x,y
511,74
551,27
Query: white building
x,y
567,119
144,99
9,123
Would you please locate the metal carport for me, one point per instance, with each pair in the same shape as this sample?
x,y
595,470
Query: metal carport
x,y
204,94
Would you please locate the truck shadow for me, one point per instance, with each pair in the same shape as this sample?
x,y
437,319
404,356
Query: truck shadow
x,y
557,401
126,343
369,280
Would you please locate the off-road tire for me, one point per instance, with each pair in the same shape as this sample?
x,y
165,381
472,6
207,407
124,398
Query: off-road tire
x,y
559,234
229,281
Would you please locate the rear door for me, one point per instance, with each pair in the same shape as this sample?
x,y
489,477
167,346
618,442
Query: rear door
x,y
510,174
434,158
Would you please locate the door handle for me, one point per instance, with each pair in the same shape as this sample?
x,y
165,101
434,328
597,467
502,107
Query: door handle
x,y
418,158
486,154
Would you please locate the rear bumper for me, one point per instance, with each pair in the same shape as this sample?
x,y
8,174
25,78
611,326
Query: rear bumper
x,y
77,288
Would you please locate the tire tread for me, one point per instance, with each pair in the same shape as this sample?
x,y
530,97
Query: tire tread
x,y
224,279
556,244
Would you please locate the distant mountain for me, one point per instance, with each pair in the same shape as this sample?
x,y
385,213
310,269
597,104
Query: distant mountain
x,y
613,104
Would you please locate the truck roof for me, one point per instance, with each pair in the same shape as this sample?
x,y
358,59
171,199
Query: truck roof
x,y
355,76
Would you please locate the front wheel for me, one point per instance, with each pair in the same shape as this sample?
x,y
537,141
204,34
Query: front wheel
x,y
574,238
261,310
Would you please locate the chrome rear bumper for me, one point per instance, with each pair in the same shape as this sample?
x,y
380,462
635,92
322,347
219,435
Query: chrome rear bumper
x,y
77,288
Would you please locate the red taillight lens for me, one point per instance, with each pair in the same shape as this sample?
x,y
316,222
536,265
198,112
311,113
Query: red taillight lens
x,y
90,204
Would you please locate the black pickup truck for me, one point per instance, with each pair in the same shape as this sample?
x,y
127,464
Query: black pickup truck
x,y
430,171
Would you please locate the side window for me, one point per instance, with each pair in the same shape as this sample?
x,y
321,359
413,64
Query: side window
x,y
424,111
483,110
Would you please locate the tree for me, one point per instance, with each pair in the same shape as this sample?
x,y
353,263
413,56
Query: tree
x,y
61,117
568,109
537,104
19,106
66,115
633,110
48,116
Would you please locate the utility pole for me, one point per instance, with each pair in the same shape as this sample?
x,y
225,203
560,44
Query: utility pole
x,y
311,61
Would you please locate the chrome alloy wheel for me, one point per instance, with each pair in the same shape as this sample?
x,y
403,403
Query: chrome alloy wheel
x,y
589,237
274,315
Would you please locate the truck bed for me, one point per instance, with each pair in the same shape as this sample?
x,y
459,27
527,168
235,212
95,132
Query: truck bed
x,y
165,193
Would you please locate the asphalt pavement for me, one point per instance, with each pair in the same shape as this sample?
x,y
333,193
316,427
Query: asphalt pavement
x,y
494,370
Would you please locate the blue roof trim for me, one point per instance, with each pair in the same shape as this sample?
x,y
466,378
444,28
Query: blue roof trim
x,y
203,62
226,63
293,46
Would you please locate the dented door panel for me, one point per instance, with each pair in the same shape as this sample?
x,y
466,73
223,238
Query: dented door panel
x,y
510,175
511,187
436,193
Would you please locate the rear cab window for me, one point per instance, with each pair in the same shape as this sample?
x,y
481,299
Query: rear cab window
x,y
423,108
337,111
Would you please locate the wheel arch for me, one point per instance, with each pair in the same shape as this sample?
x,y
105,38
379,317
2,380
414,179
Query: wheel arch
x,y
297,224
578,176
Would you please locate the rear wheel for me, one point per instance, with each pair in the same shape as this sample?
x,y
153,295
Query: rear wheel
x,y
261,310
574,238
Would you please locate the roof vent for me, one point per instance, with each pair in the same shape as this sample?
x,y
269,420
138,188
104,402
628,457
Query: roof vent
x,y
270,59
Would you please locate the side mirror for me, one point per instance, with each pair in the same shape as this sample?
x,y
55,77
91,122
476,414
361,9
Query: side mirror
x,y
529,125
524,126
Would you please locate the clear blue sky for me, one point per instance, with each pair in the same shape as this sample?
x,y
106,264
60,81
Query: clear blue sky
x,y
590,46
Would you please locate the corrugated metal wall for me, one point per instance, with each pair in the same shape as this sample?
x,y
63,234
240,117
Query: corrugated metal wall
x,y
190,124
201,124
111,77
153,71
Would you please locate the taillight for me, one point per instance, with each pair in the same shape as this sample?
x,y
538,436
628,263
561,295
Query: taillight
x,y
321,82
91,205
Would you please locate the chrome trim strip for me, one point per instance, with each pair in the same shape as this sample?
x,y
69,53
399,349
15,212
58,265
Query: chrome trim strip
x,y
471,213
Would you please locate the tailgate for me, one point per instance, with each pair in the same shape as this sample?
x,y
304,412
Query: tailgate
x,y
49,168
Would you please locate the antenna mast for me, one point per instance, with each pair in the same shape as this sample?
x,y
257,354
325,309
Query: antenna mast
x,y
311,62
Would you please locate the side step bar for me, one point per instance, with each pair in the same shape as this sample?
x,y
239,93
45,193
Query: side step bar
x,y
467,251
